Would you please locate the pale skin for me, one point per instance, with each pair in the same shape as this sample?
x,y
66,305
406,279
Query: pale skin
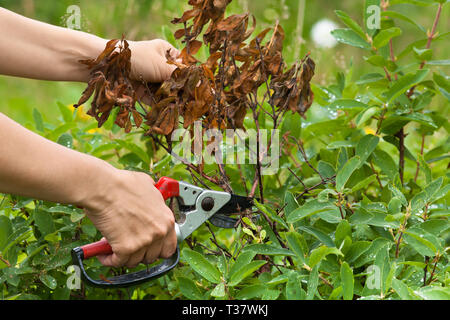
x,y
125,206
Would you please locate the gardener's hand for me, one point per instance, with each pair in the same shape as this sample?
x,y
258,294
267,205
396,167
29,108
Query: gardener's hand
x,y
149,62
134,219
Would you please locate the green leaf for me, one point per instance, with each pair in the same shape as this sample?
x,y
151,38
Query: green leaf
x,y
366,115
347,104
347,280
313,282
325,169
66,140
251,292
189,289
364,183
270,294
319,235
380,61
308,209
350,23
370,253
350,37
435,226
266,249
443,84
402,289
294,240
44,222
65,112
38,121
438,62
432,188
342,158
340,144
365,147
404,83
385,162
434,293
291,203
395,14
218,291
425,168
418,241
383,37
423,54
168,35
245,271
16,237
48,280
242,260
320,253
282,278
356,250
323,195
200,265
336,293
382,262
6,230
135,149
343,230
397,193
273,215
294,289
394,141
440,193
344,174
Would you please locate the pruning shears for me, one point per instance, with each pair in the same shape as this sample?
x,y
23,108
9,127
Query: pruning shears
x,y
196,205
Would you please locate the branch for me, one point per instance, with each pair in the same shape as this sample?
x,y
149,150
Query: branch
x,y
431,36
401,148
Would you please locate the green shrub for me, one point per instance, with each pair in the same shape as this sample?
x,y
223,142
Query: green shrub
x,y
357,210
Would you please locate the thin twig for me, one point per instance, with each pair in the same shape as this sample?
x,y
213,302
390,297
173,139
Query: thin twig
x,y
401,148
376,174
431,36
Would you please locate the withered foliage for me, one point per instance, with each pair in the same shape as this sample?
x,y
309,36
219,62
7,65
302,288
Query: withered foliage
x,y
111,85
218,91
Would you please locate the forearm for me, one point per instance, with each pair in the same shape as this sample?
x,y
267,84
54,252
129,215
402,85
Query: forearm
x,y
37,50
33,166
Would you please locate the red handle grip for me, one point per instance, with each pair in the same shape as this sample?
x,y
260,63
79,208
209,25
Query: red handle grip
x,y
168,187
101,247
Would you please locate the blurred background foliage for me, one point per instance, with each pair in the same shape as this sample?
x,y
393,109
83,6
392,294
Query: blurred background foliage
x,y
149,19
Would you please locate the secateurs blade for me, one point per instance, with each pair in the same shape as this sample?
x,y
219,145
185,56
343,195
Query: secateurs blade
x,y
196,205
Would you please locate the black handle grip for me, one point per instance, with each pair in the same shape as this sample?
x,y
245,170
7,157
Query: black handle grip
x,y
129,279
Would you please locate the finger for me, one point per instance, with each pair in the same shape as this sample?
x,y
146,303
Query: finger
x,y
169,245
153,252
135,259
174,53
113,260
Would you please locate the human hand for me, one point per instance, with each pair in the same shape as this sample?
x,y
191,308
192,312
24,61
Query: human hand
x,y
134,219
149,62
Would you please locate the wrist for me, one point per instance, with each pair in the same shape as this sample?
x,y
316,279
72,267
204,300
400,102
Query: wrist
x,y
83,46
99,185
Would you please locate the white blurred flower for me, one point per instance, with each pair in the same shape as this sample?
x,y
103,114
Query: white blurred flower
x,y
320,33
